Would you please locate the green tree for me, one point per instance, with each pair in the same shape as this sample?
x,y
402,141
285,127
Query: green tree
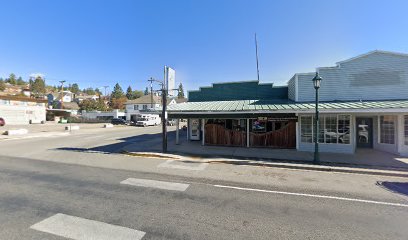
x,y
89,91
74,88
137,94
180,91
98,92
118,103
129,93
2,85
146,91
38,87
12,79
117,92
20,81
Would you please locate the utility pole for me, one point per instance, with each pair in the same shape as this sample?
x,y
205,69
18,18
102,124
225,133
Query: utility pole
x,y
151,80
105,87
62,92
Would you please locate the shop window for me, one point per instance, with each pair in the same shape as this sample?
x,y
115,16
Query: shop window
x,y
333,129
406,129
258,125
387,129
343,125
306,129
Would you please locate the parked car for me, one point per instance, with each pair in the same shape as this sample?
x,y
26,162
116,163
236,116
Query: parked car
x,y
130,123
2,122
171,122
118,121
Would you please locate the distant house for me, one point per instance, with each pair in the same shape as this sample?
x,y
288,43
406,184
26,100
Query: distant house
x,y
144,103
82,97
22,110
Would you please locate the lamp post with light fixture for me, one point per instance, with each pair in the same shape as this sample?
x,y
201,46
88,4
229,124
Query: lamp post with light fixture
x,y
316,83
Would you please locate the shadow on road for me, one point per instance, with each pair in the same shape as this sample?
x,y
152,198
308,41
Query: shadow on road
x,y
397,187
145,142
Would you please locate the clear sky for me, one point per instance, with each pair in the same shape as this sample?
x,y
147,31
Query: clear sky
x,y
101,42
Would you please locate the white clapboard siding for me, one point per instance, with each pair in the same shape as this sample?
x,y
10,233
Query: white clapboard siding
x,y
374,76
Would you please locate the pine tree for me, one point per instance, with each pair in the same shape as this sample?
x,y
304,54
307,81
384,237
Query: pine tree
x,y
180,91
117,91
74,88
12,79
129,93
20,81
38,87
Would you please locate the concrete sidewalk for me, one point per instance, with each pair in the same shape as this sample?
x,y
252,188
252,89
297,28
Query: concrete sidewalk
x,y
363,161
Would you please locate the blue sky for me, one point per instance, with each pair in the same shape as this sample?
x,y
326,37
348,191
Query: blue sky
x,y
97,43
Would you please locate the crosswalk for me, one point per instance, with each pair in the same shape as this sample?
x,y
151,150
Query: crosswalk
x,y
156,184
84,229
194,166
77,228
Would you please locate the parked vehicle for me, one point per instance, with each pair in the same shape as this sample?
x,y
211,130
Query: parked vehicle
x,y
145,120
171,122
130,123
2,122
118,121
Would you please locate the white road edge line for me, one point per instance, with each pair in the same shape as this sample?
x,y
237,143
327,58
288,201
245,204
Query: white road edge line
x,y
82,229
313,195
156,184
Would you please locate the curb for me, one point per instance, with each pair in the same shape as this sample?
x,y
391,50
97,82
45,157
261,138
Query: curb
x,y
299,165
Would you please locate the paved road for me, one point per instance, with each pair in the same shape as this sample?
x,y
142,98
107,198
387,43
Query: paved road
x,y
79,177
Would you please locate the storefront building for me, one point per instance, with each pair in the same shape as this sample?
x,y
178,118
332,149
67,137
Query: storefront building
x,y
363,104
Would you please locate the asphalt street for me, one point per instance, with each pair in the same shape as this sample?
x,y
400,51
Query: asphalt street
x,y
82,182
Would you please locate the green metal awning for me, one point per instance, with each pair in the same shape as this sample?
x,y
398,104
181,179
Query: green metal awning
x,y
261,106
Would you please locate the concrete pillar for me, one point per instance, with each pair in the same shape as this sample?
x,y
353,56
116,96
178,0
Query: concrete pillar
x,y
177,131
247,133
203,128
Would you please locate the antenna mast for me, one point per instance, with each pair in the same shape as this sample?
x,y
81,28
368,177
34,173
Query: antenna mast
x,y
256,51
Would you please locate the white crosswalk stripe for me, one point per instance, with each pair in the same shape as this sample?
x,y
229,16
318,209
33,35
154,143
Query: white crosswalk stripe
x,y
83,229
156,184
195,166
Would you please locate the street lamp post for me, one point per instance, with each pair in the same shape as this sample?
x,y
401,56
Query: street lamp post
x,y
316,83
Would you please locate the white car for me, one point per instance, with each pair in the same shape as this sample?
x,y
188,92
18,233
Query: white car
x,y
145,120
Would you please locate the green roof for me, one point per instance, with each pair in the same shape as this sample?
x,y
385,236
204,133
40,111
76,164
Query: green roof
x,y
232,91
265,105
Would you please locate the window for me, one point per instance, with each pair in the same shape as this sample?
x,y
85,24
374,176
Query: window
x,y
306,129
343,128
387,129
135,107
406,129
144,107
332,129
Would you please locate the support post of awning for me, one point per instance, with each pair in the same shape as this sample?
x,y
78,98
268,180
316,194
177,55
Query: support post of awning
x,y
203,128
247,133
177,131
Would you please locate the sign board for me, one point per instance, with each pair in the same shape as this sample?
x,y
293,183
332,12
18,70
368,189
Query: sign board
x,y
170,80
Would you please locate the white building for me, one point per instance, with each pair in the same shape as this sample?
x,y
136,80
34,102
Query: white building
x,y
104,115
142,104
22,110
